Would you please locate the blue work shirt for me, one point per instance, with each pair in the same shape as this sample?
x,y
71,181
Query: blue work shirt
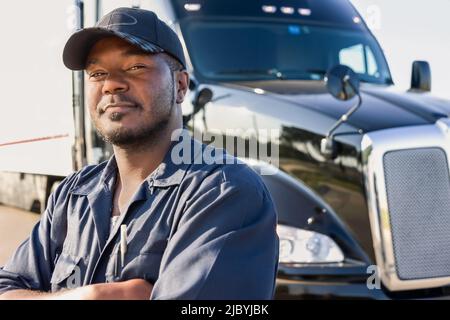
x,y
194,230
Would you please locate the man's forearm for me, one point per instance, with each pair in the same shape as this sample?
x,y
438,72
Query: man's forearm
x,y
135,289
81,293
21,294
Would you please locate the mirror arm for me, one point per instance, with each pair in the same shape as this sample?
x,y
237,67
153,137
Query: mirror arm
x,y
327,143
344,117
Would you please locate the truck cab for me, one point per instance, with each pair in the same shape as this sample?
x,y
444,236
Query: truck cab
x,y
349,223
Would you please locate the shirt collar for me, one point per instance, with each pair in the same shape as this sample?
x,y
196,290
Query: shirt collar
x,y
170,171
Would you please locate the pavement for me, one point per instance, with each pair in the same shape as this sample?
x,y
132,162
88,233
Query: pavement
x,y
15,227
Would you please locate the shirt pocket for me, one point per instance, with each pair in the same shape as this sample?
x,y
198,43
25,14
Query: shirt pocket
x,y
142,266
67,273
136,266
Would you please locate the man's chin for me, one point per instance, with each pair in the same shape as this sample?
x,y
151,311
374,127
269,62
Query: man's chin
x,y
120,137
112,128
131,132
126,138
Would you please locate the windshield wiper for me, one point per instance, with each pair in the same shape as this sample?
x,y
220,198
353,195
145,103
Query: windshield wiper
x,y
324,72
282,75
317,71
271,72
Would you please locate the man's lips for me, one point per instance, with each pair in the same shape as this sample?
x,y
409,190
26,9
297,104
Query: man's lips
x,y
119,106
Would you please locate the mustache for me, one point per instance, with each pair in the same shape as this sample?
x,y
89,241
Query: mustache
x,y
115,100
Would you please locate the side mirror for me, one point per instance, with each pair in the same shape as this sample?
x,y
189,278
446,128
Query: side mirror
x,y
421,76
342,82
201,98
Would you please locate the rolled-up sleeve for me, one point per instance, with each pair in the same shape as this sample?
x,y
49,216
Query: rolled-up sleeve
x,y
225,247
30,266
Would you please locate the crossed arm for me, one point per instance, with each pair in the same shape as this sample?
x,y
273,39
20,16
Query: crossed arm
x,y
135,289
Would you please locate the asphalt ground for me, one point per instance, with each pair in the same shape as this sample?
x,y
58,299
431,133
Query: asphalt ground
x,y
15,227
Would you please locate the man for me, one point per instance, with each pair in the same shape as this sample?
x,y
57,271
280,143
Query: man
x,y
145,225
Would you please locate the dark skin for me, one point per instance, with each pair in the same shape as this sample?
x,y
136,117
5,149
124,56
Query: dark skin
x,y
134,102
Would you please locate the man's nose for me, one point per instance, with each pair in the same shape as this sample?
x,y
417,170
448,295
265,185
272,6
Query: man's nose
x,y
114,84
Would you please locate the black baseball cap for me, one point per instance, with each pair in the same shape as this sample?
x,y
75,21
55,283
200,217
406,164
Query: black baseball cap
x,y
141,28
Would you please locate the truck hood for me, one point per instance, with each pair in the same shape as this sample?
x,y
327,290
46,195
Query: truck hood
x,y
382,107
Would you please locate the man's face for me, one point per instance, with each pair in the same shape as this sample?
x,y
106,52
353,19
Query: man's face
x,y
131,94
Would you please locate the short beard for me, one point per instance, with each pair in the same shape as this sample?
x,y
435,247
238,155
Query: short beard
x,y
143,137
137,139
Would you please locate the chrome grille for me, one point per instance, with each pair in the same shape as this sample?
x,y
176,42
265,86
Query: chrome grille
x,y
407,183
418,193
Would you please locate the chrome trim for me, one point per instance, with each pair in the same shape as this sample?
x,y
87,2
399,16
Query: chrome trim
x,y
374,146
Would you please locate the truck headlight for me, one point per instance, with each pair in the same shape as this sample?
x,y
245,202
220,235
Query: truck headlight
x,y
303,246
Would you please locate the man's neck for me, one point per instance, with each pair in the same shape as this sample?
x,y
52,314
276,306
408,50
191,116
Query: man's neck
x,y
136,164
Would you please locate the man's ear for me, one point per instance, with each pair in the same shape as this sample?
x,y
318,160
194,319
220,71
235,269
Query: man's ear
x,y
182,84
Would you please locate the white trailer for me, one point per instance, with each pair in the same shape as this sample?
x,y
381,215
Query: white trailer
x,y
37,131
45,133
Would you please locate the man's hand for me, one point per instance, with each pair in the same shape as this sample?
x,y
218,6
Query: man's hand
x,y
135,289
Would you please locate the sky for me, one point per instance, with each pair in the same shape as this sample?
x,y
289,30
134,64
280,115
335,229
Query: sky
x,y
411,30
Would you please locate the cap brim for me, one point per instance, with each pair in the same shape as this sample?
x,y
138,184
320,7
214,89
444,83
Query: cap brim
x,y
81,42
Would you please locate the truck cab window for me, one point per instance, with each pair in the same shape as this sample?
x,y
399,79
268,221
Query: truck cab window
x,y
258,49
361,59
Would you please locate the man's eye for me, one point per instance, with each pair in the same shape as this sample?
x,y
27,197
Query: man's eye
x,y
97,75
136,67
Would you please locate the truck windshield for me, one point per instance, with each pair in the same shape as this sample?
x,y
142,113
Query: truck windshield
x,y
262,50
